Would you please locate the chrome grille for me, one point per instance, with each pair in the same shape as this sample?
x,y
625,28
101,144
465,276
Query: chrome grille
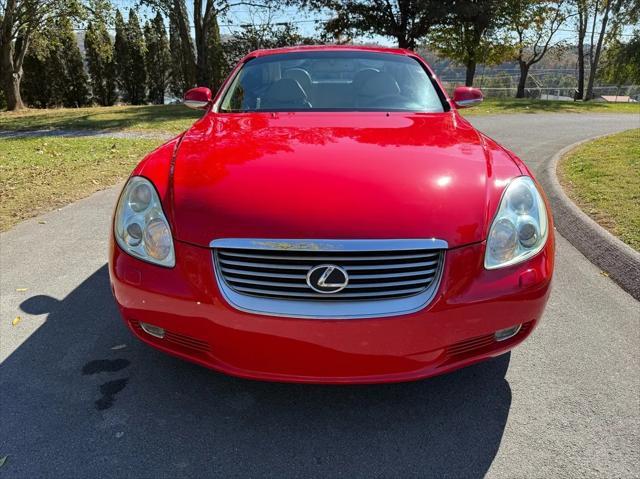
x,y
379,274
379,271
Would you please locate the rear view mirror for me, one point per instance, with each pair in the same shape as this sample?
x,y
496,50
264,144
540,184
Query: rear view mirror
x,y
465,96
198,98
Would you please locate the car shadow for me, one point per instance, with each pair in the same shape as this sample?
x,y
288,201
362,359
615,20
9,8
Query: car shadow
x,y
81,397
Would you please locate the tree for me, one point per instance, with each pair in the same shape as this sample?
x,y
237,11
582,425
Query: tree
x,y
608,16
261,34
470,35
200,61
182,65
54,55
75,77
137,77
121,55
157,59
621,62
582,21
129,57
406,21
534,24
207,34
40,62
601,22
19,21
99,55
214,65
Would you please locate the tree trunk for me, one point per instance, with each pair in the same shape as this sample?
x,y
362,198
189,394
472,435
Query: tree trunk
x,y
524,73
11,69
403,42
583,20
580,90
472,47
596,57
10,59
202,64
471,72
200,28
592,77
11,88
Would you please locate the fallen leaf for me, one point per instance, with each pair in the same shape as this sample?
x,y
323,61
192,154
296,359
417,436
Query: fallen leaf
x,y
119,346
21,290
16,320
42,222
3,459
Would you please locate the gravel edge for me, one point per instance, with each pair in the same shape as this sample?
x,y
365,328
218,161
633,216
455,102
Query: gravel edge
x,y
617,259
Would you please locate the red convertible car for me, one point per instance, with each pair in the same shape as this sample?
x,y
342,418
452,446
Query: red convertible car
x,y
332,218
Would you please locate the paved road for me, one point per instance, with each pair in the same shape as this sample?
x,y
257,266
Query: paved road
x,y
73,404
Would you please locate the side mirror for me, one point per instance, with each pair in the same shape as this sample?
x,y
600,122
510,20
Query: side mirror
x,y
465,96
198,98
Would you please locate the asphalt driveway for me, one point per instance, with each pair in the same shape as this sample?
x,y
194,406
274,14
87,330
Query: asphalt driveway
x,y
80,397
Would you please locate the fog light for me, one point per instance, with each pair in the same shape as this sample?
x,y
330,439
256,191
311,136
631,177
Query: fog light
x,y
503,334
154,330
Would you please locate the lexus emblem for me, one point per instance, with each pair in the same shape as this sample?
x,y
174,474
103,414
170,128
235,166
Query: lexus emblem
x,y
327,278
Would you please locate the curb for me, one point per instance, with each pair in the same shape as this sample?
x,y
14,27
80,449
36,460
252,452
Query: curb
x,y
611,255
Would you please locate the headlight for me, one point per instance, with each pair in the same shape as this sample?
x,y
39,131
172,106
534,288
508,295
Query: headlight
x,y
519,229
141,229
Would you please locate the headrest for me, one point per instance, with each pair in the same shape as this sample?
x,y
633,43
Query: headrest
x,y
362,76
285,90
301,76
380,84
252,79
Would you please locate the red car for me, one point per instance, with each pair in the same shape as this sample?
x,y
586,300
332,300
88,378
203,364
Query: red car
x,y
332,218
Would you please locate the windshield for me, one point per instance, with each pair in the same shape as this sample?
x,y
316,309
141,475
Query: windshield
x,y
332,81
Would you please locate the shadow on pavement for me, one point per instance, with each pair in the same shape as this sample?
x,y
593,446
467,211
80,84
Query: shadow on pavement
x,y
76,403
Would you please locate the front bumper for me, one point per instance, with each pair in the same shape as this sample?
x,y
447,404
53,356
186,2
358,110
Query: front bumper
x,y
455,330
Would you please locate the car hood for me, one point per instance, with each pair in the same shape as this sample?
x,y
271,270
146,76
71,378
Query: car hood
x,y
336,176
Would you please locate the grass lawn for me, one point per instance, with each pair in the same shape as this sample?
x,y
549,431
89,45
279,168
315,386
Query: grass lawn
x,y
40,174
515,105
603,178
162,118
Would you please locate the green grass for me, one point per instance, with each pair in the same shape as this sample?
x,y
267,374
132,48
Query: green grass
x,y
41,174
603,178
160,118
515,105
